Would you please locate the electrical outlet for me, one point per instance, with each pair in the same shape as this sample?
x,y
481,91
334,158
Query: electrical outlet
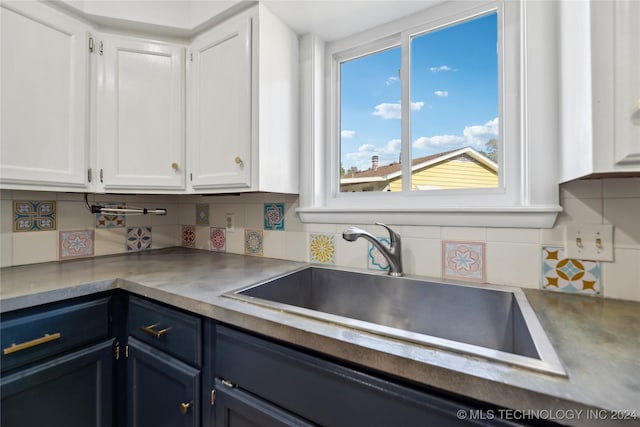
x,y
592,242
230,222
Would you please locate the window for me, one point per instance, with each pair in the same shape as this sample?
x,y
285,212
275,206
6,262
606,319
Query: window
x,y
460,88
453,106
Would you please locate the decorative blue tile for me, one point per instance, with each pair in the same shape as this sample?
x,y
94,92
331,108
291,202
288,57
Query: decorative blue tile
x,y
202,214
138,238
274,216
563,274
253,242
76,244
111,220
34,216
375,260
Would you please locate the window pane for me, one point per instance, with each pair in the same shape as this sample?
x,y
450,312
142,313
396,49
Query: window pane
x,y
454,81
370,121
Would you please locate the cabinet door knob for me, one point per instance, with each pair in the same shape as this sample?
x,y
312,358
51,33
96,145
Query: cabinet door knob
x,y
184,408
175,166
238,161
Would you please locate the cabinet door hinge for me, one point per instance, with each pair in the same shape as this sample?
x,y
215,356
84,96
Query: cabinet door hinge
x,y
89,174
100,48
101,176
191,57
116,351
126,351
213,397
191,177
90,44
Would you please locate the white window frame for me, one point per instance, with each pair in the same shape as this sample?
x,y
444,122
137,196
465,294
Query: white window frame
x,y
527,195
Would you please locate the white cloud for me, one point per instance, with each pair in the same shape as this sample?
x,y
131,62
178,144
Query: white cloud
x,y
472,136
393,111
391,80
348,134
441,93
441,68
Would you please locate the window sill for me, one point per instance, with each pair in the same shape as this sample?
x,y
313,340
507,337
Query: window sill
x,y
507,217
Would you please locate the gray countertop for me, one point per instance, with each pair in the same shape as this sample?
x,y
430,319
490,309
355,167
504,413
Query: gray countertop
x,y
598,340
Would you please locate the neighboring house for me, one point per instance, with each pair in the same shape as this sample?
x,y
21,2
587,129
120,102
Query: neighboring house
x,y
461,168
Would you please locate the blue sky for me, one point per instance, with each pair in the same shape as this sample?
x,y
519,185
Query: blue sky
x,y
454,102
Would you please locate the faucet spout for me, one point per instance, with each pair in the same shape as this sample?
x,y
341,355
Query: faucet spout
x,y
393,253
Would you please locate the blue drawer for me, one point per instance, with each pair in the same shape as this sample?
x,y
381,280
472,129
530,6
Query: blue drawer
x,y
37,333
172,331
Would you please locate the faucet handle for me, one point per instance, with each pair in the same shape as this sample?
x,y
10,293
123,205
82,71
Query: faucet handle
x,y
395,237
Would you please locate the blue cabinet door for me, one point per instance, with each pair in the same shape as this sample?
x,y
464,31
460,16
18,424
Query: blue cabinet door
x,y
74,390
162,391
235,407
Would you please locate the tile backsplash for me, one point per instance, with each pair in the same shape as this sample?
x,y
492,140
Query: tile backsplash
x,y
266,224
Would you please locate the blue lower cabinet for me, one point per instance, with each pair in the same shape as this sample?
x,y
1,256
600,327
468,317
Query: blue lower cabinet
x,y
237,408
162,391
74,390
322,392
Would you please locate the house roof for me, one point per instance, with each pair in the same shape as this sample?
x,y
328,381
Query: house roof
x,y
393,170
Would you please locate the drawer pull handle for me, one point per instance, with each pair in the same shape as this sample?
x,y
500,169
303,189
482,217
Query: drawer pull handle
x,y
149,329
184,408
23,346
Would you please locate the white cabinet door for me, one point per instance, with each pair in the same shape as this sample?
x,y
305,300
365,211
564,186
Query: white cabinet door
x,y
627,104
220,115
141,132
45,98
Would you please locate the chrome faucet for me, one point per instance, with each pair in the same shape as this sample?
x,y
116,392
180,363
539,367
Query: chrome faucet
x,y
393,253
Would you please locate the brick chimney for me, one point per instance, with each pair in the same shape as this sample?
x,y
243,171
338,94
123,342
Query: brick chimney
x,y
374,163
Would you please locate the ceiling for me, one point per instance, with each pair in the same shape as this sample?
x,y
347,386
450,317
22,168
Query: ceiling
x,y
333,20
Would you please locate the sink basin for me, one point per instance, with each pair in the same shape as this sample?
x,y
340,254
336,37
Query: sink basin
x,y
491,322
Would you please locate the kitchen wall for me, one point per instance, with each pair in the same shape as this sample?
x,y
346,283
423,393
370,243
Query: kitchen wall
x,y
266,225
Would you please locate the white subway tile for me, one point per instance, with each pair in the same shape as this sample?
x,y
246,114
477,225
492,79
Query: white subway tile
x,y
291,219
513,264
166,236
621,187
422,257
110,241
6,249
171,218
513,235
33,195
274,244
35,246
587,211
323,228
297,246
553,236
419,232
624,214
581,189
621,279
467,234
6,216
74,215
351,254
253,216
187,213
235,241
6,195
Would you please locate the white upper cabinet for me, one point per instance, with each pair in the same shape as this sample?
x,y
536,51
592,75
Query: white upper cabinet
x,y
141,115
243,99
220,93
600,88
44,112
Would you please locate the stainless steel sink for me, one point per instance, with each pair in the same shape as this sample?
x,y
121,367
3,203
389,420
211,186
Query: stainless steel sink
x,y
491,322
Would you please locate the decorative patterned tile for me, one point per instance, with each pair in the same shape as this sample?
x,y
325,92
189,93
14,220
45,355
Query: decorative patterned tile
x,y
218,239
253,242
569,275
111,220
274,216
76,244
202,214
189,236
463,261
138,238
322,248
34,216
375,259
